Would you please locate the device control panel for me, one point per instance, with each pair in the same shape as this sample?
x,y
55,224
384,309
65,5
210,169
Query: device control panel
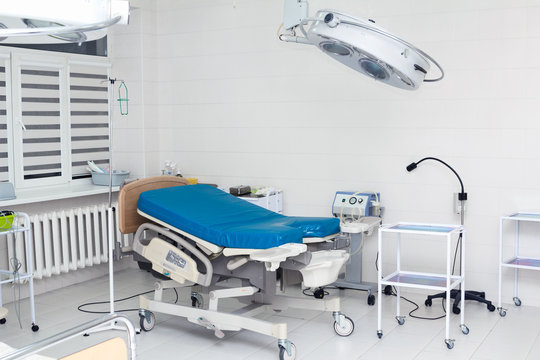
x,y
350,203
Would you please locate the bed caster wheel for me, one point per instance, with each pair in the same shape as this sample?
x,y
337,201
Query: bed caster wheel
x,y
400,320
3,321
464,329
371,300
35,328
502,312
147,320
196,300
428,302
379,334
491,307
284,355
456,310
346,328
387,290
517,301
449,343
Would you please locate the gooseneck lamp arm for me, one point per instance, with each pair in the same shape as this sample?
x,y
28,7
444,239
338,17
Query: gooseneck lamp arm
x,y
462,196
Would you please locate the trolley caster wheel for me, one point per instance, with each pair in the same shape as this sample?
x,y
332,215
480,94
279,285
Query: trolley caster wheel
x,y
464,329
491,307
502,312
346,329
400,320
147,320
449,343
284,355
456,310
319,293
3,321
428,302
517,301
379,334
387,290
371,300
35,328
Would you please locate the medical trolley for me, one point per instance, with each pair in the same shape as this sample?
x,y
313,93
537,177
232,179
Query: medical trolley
x,y
440,282
7,276
517,261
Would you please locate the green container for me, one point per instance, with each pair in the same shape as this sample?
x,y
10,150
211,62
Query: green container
x,y
6,219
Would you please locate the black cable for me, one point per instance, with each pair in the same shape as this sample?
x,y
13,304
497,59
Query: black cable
x,y
418,307
80,307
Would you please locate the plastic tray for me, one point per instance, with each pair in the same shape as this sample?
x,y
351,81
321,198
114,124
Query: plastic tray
x,y
118,178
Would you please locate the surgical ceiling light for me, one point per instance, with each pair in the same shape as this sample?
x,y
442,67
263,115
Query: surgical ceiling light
x,y
59,21
359,44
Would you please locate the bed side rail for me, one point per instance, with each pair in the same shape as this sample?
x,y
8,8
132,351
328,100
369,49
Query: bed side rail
x,y
77,331
202,279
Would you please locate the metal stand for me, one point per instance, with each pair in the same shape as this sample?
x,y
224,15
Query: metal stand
x,y
353,270
8,276
443,282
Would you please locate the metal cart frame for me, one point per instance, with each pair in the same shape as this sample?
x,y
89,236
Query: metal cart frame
x,y
7,277
440,282
516,262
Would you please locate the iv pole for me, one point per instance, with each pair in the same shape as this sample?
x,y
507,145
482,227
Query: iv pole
x,y
110,219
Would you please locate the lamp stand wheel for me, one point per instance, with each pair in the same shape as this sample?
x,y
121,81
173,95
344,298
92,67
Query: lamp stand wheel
x,y
371,300
35,328
3,321
517,301
284,355
428,302
455,309
387,290
491,307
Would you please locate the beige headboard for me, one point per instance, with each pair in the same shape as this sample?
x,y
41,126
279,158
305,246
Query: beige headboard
x,y
128,219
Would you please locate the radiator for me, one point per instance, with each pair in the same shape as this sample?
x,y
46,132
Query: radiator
x,y
66,240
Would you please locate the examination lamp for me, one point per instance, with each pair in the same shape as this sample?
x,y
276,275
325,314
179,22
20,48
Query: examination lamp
x,y
59,21
359,44
455,294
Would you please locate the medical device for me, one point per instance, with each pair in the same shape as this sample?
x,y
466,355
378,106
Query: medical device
x,y
59,21
355,211
359,44
198,236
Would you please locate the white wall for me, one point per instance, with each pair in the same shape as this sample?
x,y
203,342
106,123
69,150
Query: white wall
x,y
237,106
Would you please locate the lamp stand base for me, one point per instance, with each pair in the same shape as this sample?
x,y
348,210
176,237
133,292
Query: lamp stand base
x,y
455,294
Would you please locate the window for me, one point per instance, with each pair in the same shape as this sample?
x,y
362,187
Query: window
x,y
57,118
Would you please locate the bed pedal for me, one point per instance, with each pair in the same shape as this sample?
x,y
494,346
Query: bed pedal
x,y
207,324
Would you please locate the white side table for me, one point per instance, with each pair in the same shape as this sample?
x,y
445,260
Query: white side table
x,y
517,261
439,282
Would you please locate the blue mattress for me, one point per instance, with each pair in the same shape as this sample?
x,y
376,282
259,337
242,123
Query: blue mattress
x,y
225,220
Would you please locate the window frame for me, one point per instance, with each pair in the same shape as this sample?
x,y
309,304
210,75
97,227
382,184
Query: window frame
x,y
14,58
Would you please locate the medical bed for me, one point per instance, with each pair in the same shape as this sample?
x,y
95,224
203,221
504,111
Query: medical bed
x,y
196,236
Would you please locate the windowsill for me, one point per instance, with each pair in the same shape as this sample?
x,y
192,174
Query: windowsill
x,y
57,192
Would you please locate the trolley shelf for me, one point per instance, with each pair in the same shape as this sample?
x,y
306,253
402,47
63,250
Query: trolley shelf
x,y
427,281
523,263
6,276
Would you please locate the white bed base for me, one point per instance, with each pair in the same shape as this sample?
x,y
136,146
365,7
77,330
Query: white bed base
x,y
219,321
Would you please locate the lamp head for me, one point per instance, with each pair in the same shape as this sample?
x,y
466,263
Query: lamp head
x,y
411,167
369,49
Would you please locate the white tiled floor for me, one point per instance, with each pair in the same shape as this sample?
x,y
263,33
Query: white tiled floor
x,y
516,336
